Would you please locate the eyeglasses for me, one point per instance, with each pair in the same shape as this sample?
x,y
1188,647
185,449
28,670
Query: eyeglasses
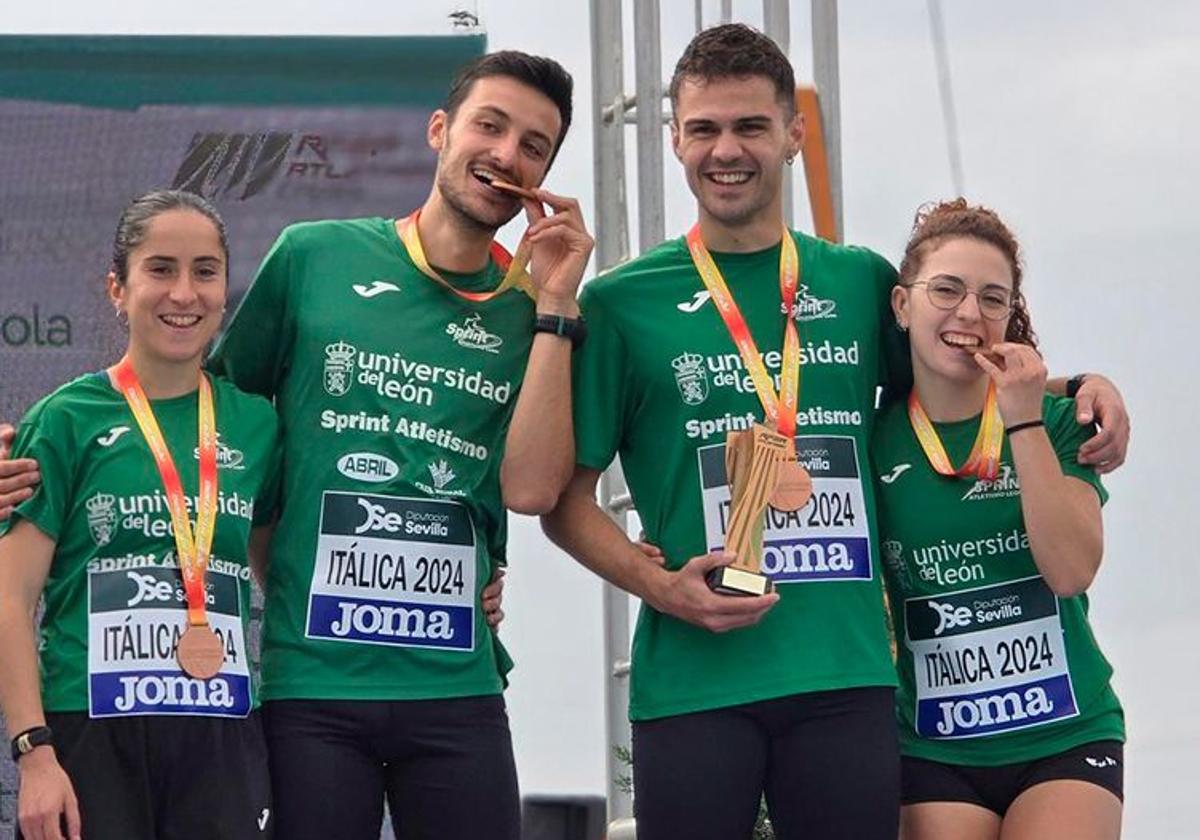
x,y
995,302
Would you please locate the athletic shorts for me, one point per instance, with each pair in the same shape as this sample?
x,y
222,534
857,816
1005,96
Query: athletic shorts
x,y
996,788
445,768
828,763
163,777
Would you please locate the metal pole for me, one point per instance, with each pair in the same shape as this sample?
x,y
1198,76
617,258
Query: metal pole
x,y
777,25
612,247
825,74
608,134
699,15
726,11
941,56
648,76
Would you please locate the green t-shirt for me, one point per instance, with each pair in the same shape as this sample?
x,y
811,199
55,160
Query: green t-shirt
x,y
394,396
661,383
994,669
114,599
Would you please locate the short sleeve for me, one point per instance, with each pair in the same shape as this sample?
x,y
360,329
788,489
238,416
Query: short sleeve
x,y
1066,436
599,386
45,437
254,349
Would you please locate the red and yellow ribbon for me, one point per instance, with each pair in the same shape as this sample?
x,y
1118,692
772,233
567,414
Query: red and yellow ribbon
x,y
984,459
192,548
779,409
515,274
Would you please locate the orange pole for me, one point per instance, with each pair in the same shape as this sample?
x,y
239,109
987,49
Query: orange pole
x,y
816,164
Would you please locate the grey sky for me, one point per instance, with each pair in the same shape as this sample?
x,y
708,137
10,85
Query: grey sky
x,y
1078,122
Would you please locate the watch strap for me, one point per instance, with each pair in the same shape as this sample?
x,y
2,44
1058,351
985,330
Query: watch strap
x,y
573,329
29,740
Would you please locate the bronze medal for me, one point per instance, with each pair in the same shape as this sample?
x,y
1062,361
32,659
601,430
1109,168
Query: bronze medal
x,y
200,652
793,487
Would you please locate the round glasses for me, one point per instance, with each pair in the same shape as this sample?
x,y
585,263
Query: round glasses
x,y
995,302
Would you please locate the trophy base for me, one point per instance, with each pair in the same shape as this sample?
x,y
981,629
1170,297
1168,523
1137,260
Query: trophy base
x,y
728,580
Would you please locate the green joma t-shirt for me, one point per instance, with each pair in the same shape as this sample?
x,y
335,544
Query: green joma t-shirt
x,y
994,668
394,396
114,599
660,383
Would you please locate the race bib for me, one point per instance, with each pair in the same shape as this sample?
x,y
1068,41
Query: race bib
x,y
135,619
391,570
827,539
988,660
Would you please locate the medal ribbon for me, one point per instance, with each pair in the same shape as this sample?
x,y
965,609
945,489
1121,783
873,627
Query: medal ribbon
x,y
780,410
984,460
513,266
191,547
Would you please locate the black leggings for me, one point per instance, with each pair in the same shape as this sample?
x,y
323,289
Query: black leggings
x,y
828,763
445,766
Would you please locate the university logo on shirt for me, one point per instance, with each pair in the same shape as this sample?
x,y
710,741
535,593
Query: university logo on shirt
x,y
339,368
691,377
102,518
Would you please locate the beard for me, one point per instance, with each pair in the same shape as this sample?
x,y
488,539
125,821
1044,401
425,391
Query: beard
x,y
455,197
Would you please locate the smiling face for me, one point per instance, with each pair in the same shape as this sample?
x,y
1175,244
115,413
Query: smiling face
x,y
503,129
733,136
174,291
944,341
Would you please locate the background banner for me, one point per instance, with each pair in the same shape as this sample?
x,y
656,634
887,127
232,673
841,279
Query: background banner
x,y
273,130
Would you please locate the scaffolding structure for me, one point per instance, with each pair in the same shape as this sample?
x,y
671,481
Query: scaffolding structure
x,y
613,110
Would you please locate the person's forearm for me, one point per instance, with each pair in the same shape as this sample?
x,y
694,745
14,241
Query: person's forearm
x,y
1062,519
20,690
539,450
579,527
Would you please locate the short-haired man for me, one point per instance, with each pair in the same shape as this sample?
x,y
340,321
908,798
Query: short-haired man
x,y
409,378
796,700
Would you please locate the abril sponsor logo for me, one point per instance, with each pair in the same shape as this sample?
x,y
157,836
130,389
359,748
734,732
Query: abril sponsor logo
x,y
368,467
33,329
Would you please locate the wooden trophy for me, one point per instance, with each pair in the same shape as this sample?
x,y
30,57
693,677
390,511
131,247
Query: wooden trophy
x,y
753,459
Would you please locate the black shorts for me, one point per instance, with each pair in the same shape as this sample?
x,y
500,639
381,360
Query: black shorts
x,y
996,788
827,762
160,777
445,767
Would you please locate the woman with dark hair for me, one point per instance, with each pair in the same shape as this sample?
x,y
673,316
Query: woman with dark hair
x,y
143,723
991,535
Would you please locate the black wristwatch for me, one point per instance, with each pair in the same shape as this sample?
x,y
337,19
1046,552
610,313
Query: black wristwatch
x,y
1074,384
31,739
573,329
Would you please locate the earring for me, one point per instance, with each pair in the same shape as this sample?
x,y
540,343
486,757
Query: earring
x,y
790,159
901,326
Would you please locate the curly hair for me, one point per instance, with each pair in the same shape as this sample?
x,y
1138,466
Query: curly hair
x,y
937,222
734,50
